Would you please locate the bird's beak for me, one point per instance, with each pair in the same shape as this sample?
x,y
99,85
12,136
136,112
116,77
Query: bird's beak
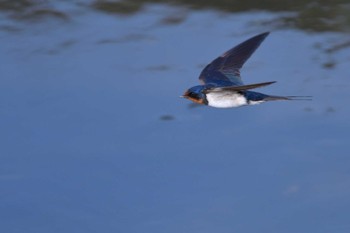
x,y
185,95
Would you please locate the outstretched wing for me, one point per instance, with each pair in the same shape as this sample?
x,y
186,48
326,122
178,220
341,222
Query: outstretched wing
x,y
238,88
225,70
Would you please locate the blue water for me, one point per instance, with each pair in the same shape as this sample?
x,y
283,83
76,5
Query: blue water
x,y
94,136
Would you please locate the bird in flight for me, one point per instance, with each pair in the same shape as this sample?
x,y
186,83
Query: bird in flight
x,y
222,85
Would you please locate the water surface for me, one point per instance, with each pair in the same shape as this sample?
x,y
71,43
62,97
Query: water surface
x,y
94,136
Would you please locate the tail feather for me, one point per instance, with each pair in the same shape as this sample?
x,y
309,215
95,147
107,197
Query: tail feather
x,y
272,98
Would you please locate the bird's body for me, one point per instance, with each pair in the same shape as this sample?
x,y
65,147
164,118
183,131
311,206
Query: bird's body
x,y
222,84
231,99
226,99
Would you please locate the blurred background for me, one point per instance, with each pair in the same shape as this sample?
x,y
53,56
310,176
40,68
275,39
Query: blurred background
x,y
94,136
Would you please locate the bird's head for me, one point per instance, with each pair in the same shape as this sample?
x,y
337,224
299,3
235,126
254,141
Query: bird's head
x,y
196,95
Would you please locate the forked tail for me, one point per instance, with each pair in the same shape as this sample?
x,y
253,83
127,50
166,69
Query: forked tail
x,y
271,98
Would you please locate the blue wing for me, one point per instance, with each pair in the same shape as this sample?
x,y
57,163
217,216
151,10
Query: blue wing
x,y
225,70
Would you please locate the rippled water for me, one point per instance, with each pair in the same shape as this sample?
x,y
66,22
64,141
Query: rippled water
x,y
94,136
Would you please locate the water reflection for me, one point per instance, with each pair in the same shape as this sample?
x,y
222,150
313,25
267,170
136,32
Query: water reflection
x,y
127,38
326,15
322,15
28,10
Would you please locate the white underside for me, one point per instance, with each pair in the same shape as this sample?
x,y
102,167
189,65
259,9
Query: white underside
x,y
228,99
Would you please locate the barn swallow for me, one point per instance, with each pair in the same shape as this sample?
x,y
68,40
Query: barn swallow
x,y
222,85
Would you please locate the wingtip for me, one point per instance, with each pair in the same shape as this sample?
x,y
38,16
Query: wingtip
x,y
264,34
261,37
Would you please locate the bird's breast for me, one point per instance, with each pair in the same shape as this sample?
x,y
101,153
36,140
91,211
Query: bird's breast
x,y
226,99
